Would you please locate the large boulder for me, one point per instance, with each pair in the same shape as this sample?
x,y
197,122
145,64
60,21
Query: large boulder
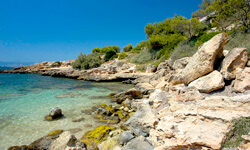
x,y
181,63
112,142
211,82
66,139
142,120
125,137
55,113
242,81
139,143
45,142
130,94
236,58
202,62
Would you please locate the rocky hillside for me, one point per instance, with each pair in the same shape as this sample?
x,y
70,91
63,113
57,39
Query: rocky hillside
x,y
199,102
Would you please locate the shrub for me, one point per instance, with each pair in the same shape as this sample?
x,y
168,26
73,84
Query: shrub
x,y
157,62
96,50
241,127
87,61
138,47
184,49
141,68
116,49
122,55
144,56
56,64
204,38
110,54
239,40
128,48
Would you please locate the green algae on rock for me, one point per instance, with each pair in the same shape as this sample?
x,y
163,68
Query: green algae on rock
x,y
55,132
97,135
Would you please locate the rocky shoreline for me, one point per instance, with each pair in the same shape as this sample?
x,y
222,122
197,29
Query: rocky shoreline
x,y
196,103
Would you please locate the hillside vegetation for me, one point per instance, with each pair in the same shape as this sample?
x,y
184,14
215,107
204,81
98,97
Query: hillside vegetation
x,y
179,37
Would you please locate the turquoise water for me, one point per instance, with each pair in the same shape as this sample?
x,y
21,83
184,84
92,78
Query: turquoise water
x,y
6,68
25,99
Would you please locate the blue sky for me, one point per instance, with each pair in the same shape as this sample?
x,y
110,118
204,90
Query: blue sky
x,y
51,30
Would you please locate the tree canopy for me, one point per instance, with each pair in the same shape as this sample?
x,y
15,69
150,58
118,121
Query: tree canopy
x,y
106,48
230,11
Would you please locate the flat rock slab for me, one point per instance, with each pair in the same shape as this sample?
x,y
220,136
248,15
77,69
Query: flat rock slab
x,y
211,82
198,124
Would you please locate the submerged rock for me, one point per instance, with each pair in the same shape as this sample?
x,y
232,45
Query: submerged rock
x,y
78,120
23,147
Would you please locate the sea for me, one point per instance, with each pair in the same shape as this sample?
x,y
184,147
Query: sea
x,y
26,98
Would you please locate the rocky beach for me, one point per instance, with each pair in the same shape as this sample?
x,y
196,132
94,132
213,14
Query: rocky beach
x,y
199,102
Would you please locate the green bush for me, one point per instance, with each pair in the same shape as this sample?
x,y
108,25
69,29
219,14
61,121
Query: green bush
x,y
142,67
87,61
239,40
241,127
106,48
122,55
96,50
157,62
184,49
144,56
56,64
204,38
110,54
116,49
138,47
128,48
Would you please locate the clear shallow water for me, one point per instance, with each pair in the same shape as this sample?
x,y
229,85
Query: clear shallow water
x,y
25,99
6,68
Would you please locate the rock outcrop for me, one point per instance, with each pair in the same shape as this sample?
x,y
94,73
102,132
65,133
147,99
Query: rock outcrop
x,y
181,63
208,83
236,58
55,113
173,108
143,120
202,61
139,143
242,81
198,123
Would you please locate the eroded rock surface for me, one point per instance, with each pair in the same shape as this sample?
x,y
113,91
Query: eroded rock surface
x,y
208,83
236,58
242,81
202,62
